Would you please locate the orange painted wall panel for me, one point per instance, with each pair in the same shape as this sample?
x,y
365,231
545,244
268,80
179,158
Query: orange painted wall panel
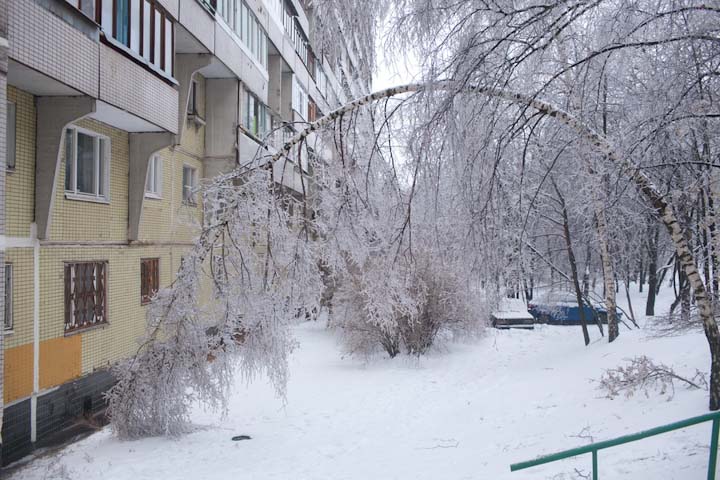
x,y
18,372
60,360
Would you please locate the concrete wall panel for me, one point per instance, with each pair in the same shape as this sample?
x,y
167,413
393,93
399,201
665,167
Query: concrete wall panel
x,y
130,87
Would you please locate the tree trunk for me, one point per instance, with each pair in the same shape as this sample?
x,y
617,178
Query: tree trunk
x,y
608,271
586,274
652,252
573,266
630,307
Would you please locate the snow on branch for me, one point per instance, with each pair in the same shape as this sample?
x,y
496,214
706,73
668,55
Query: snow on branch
x,y
643,375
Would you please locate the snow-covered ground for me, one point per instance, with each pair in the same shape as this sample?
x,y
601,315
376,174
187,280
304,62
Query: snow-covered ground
x,y
466,412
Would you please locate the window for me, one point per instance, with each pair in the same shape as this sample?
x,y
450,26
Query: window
x,y
312,111
8,321
157,42
250,113
192,100
244,24
149,279
85,295
10,158
153,182
106,16
189,184
87,167
135,28
142,26
299,99
240,18
256,116
122,22
167,46
145,48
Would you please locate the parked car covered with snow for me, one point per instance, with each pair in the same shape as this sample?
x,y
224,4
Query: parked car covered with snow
x,y
512,313
563,309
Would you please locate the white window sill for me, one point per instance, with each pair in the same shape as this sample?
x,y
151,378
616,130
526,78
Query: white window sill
x,y
153,196
8,332
81,330
86,198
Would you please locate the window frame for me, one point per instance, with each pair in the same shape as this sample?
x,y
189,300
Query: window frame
x,y
192,99
240,19
149,286
8,326
256,115
152,45
73,193
154,176
100,269
190,199
11,137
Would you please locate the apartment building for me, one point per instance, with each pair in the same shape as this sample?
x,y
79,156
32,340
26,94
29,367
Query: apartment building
x,y
112,113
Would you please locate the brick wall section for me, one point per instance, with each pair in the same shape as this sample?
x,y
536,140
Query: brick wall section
x,y
22,261
20,183
168,219
132,88
43,41
103,222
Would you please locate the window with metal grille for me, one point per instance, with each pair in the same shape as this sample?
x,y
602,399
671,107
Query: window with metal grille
x,y
85,295
149,278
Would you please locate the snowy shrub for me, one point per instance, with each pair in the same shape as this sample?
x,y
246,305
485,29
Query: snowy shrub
x,y
442,304
642,375
402,309
368,305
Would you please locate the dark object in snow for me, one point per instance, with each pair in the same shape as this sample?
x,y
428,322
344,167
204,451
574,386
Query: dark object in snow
x,y
241,437
563,309
512,313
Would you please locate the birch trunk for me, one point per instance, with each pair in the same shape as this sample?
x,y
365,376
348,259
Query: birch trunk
x,y
608,271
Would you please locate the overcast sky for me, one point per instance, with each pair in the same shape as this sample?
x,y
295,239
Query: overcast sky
x,y
393,69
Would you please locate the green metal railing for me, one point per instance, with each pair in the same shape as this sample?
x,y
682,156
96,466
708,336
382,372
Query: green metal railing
x,y
595,447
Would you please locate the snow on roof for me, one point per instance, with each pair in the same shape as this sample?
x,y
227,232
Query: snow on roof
x,y
512,308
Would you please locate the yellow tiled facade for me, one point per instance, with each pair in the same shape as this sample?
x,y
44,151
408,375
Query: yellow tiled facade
x,y
83,231
20,182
